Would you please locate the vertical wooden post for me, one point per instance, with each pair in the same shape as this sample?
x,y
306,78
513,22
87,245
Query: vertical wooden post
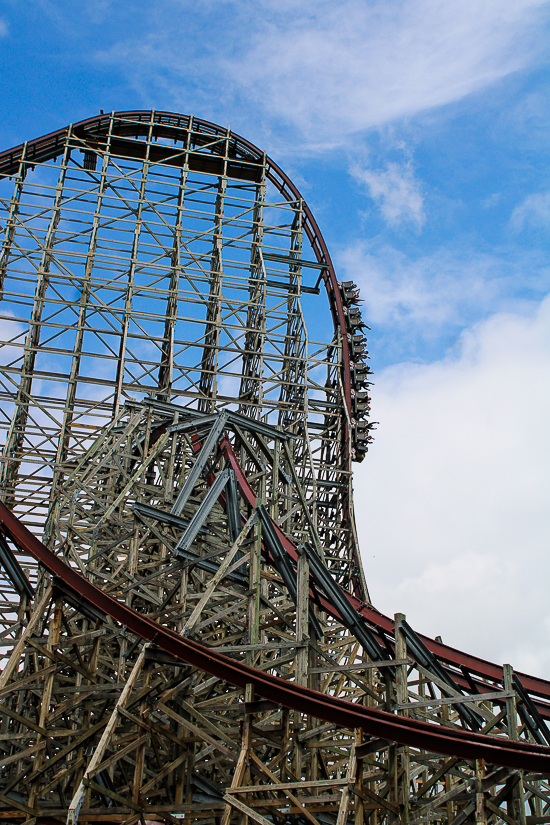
x,y
254,586
241,768
402,754
359,802
53,638
518,798
401,670
74,807
190,765
302,647
140,753
345,800
302,620
393,792
480,814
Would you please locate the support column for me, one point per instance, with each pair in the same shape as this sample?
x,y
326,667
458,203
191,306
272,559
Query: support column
x,y
518,798
480,814
403,760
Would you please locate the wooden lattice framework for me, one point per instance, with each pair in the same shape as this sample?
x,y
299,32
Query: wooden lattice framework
x,y
149,255
99,724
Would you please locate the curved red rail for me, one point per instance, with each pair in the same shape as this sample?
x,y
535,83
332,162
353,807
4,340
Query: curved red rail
x,y
48,147
386,726
447,654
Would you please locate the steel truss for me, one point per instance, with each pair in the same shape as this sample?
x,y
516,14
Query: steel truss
x,y
192,638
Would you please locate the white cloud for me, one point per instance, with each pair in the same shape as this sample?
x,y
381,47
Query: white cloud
x,y
353,65
329,70
438,292
534,210
4,30
396,192
452,499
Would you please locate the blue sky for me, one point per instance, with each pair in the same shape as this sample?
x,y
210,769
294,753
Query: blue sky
x,y
417,130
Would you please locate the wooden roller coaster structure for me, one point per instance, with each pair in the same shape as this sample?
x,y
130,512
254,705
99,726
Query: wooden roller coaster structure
x,y
185,628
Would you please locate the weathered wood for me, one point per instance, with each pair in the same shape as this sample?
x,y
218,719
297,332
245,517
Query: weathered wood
x,y
217,578
264,769
37,614
250,812
72,815
302,620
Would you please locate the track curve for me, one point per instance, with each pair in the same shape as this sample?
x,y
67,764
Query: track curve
x,y
377,723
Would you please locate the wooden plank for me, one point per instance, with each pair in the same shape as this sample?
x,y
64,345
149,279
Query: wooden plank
x,y
76,802
362,666
456,700
24,721
122,800
221,572
366,793
346,793
21,754
57,657
20,646
283,786
244,809
197,731
240,768
40,674
289,793
214,729
19,805
120,754
164,772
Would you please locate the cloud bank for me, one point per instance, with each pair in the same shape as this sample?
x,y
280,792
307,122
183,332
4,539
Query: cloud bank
x,y
452,500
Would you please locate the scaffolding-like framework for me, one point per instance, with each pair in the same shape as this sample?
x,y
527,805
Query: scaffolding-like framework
x,y
149,255
185,630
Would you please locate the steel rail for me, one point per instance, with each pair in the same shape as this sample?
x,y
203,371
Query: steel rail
x,y
464,744
449,655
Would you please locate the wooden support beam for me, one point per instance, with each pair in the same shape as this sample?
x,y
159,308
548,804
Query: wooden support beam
x,y
95,761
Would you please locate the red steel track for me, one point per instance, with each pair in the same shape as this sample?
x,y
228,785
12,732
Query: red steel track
x,y
377,723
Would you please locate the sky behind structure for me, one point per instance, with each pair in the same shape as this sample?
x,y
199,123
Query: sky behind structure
x,y
417,130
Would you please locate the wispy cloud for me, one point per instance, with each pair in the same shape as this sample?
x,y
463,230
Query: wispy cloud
x,y
396,191
4,29
445,288
534,210
355,65
333,69
452,501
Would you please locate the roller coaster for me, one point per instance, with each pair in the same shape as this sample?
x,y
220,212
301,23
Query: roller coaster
x,y
186,631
